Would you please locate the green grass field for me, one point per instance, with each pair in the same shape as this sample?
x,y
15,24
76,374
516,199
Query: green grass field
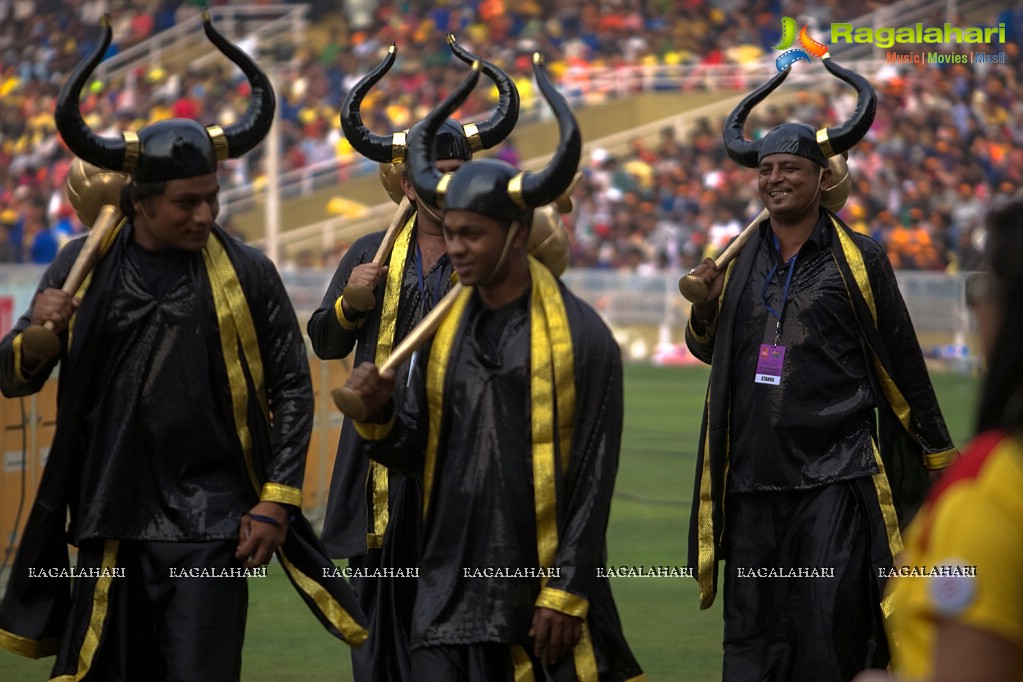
x,y
673,640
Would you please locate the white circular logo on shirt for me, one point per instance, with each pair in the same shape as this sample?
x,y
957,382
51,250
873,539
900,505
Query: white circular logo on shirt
x,y
951,594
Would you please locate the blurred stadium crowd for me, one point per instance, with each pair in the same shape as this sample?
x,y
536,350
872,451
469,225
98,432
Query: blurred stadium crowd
x,y
943,146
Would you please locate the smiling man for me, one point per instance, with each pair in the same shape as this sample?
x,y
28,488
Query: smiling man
x,y
820,421
183,420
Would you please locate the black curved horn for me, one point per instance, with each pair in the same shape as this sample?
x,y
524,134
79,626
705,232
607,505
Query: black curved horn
x,y
506,114
743,151
106,152
421,164
362,139
845,136
545,186
255,123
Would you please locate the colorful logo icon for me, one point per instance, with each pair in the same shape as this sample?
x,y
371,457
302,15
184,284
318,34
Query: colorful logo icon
x,y
809,46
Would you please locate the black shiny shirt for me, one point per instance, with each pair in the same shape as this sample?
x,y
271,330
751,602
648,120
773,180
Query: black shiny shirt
x,y
815,427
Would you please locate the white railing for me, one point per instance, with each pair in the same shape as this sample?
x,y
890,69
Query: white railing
x,y
263,23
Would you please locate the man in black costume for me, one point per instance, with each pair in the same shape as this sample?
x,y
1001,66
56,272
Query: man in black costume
x,y
184,417
372,514
811,350
513,421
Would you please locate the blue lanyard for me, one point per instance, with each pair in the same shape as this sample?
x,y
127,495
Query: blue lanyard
x,y
784,292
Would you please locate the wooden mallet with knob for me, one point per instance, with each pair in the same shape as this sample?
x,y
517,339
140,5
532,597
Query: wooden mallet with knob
x,y
95,194
361,297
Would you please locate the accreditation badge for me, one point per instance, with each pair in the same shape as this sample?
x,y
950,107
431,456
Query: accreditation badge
x,y
769,364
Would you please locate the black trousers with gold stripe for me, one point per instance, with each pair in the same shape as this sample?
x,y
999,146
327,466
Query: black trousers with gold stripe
x,y
146,621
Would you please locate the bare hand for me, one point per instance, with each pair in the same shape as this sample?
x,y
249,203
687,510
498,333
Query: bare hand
x,y
55,306
368,275
554,634
709,274
257,540
373,387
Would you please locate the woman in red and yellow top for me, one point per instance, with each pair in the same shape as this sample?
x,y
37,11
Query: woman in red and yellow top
x,y
957,605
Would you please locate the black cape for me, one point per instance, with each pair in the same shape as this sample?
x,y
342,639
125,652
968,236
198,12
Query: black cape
x,y
484,438
912,438
256,321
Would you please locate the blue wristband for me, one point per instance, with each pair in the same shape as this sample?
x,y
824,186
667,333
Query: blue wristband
x,y
264,519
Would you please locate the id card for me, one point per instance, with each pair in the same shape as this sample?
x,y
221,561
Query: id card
x,y
769,364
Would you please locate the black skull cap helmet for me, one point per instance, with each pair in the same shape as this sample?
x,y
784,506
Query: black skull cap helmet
x,y
454,141
173,148
493,187
799,138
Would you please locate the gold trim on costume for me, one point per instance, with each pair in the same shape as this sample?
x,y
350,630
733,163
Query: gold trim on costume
x,y
374,431
552,392
219,140
29,648
440,355
472,135
213,254
887,503
378,476
98,617
940,460
706,556
381,514
515,191
897,401
888,606
345,323
824,142
705,526
563,602
239,308
132,151
277,492
522,664
237,328
392,291
354,634
585,661
708,333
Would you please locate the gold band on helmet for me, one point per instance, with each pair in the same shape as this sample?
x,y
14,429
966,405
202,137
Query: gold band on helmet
x,y
472,134
824,143
515,191
399,147
219,139
132,150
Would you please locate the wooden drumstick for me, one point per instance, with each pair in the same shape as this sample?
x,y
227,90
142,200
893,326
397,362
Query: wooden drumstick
x,y
361,297
694,288
41,340
349,402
